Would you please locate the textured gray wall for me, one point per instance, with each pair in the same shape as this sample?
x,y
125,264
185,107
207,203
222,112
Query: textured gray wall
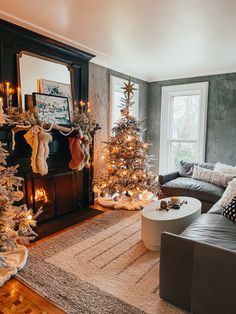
x,y
99,89
221,121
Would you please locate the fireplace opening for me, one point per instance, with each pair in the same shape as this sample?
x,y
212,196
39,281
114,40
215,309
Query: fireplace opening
x,y
41,196
57,193
61,195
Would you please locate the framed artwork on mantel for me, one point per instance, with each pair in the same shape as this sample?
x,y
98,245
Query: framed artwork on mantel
x,y
55,88
52,108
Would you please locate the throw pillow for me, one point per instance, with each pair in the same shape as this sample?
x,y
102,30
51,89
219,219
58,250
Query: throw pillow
x,y
186,167
225,169
211,176
230,210
228,194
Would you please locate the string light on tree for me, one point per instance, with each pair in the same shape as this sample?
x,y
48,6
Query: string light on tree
x,y
130,176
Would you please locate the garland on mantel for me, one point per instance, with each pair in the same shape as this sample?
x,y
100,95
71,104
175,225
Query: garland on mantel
x,y
38,137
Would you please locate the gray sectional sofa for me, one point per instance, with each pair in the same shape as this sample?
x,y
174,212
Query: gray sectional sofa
x,y
198,267
180,183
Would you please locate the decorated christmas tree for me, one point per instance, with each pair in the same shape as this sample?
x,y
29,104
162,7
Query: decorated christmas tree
x,y
127,177
16,221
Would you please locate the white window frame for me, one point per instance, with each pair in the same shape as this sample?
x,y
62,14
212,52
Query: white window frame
x,y
116,84
168,92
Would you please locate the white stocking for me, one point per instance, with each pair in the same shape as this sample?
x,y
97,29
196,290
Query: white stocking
x,y
32,139
43,152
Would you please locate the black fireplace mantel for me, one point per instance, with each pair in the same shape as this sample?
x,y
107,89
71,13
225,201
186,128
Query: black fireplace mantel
x,y
14,40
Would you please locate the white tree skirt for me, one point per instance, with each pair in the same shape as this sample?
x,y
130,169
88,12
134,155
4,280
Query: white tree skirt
x,y
123,203
14,261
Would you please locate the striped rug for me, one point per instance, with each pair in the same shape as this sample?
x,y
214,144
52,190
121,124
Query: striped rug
x,y
115,261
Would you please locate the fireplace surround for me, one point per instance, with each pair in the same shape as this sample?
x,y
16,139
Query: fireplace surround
x,y
58,193
62,190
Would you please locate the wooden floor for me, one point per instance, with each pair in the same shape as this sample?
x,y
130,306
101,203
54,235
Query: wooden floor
x,y
15,297
18,298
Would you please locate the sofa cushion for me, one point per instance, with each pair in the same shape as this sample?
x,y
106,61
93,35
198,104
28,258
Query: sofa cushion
x,y
204,191
211,176
186,167
230,210
229,193
225,169
216,209
213,229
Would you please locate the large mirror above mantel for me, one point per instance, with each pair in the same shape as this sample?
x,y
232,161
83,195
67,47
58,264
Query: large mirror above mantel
x,y
43,75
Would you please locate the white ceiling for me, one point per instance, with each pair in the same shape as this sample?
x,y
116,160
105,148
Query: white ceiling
x,y
149,39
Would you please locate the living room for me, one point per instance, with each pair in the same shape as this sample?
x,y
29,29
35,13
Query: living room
x,y
121,119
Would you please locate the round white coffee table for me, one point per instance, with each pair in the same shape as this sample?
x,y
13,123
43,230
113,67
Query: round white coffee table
x,y
154,222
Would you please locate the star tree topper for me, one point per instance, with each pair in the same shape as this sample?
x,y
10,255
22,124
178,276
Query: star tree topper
x,y
129,89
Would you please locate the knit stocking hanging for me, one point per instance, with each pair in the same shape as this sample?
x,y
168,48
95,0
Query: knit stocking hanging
x,y
88,143
32,139
43,152
77,153
86,157
38,140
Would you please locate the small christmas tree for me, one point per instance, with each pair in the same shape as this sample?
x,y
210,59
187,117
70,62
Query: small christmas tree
x,y
16,222
127,163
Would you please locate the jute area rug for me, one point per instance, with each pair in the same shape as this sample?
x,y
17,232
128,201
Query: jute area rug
x,y
98,267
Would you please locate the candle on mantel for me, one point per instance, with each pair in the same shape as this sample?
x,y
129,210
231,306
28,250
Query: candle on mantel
x,y
2,118
18,98
89,109
11,92
8,94
81,105
10,100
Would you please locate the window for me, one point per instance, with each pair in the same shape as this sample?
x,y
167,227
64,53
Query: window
x,y
116,94
183,124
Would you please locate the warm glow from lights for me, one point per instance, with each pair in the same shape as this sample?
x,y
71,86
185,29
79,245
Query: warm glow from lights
x,y
41,195
29,217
